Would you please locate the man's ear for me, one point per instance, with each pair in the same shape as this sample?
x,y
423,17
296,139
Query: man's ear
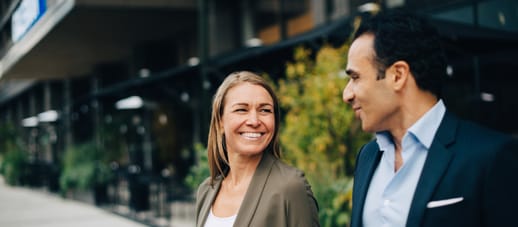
x,y
399,74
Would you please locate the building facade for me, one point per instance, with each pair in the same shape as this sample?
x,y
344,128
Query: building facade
x,y
135,78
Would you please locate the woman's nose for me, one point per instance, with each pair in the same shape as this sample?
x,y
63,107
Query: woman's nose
x,y
252,118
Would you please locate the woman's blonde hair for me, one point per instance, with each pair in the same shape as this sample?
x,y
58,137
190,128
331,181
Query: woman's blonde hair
x,y
217,154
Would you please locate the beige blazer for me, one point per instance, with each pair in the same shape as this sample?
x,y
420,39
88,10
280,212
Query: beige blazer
x,y
278,195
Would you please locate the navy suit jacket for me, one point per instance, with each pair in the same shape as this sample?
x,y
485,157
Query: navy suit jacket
x,y
464,161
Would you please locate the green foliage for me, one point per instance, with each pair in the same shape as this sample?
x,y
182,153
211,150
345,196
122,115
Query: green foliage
x,y
320,134
9,139
13,166
12,157
200,171
112,141
83,168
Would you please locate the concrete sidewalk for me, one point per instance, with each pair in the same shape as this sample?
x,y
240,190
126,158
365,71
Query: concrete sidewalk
x,y
23,207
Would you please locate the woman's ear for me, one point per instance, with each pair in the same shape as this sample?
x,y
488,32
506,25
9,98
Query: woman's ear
x,y
221,128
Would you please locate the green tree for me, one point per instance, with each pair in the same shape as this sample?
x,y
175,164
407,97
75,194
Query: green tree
x,y
13,159
83,168
319,133
200,170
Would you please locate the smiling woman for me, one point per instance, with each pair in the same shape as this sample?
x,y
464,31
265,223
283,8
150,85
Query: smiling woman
x,y
248,121
249,185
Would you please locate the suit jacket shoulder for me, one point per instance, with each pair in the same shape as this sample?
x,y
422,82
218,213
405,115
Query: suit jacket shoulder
x,y
366,162
465,162
278,195
204,198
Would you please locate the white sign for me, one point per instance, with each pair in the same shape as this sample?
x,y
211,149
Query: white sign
x,y
25,16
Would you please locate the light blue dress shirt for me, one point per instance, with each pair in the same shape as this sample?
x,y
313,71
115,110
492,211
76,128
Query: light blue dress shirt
x,y
390,193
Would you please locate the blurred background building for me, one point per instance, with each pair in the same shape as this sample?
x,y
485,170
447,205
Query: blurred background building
x,y
135,77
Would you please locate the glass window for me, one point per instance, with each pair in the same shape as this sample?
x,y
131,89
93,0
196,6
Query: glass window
x,y
278,19
501,14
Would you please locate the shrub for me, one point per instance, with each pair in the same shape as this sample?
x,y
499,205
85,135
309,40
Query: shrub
x,y
13,159
319,134
200,170
83,168
14,166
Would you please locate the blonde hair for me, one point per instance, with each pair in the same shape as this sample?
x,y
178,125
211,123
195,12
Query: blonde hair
x,y
217,154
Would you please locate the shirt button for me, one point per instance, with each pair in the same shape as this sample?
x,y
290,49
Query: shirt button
x,y
386,202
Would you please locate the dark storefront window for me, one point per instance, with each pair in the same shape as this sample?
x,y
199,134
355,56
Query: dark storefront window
x,y
480,38
501,15
493,14
278,20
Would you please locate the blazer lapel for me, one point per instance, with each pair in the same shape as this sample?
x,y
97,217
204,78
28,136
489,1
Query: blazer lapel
x,y
211,195
364,174
434,168
255,191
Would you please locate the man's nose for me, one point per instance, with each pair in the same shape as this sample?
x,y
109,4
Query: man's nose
x,y
348,95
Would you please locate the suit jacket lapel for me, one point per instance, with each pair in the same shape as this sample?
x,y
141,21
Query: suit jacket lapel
x,y
434,168
211,196
363,178
255,191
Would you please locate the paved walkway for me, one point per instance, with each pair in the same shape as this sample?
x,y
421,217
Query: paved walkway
x,y
23,207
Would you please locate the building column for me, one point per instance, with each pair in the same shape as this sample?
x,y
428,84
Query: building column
x,y
34,131
222,26
247,22
48,128
66,115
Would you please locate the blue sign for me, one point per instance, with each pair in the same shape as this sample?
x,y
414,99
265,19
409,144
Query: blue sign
x,y
25,16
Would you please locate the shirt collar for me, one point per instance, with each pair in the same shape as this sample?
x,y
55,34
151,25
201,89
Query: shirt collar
x,y
384,140
423,129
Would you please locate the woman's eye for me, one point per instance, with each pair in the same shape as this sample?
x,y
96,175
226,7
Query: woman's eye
x,y
266,110
239,110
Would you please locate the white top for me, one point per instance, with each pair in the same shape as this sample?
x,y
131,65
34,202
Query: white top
x,y
213,221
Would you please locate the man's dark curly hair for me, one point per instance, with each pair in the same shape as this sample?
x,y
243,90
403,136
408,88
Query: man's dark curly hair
x,y
401,35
